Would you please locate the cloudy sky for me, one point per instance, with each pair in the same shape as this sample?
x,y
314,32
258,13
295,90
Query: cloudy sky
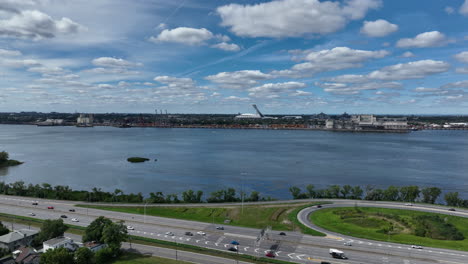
x,y
221,56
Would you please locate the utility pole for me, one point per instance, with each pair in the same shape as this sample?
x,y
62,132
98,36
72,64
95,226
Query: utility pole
x,y
144,220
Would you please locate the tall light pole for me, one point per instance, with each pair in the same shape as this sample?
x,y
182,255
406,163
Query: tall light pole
x,y
175,241
242,192
144,220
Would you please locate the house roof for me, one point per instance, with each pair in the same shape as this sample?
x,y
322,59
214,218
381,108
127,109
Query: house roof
x,y
57,240
26,253
92,244
17,235
7,260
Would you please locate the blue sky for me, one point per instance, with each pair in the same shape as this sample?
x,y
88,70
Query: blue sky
x,y
221,56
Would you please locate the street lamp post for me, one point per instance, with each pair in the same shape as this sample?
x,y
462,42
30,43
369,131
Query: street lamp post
x,y
175,241
144,220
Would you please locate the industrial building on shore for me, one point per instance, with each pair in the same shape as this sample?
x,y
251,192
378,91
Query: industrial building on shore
x,y
367,123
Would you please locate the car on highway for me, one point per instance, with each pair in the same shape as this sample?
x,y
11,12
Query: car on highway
x,y
50,207
319,206
220,228
325,262
452,209
270,254
408,204
130,228
416,246
63,216
35,203
169,234
74,220
233,248
234,242
32,214
282,233
347,243
201,233
188,233
71,210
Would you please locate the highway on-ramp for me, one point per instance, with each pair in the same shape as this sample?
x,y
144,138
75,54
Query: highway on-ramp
x,y
293,246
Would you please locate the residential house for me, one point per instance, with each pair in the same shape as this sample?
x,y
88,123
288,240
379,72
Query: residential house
x,y
60,242
17,239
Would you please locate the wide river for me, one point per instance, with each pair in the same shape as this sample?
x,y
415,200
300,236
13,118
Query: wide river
x,y
269,161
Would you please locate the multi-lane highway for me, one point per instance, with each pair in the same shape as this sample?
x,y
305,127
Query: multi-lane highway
x,y
293,246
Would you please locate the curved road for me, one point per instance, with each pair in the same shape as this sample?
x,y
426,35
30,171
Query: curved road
x,y
294,247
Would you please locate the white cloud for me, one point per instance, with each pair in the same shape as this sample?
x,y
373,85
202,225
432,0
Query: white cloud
x,y
341,88
464,8
378,28
20,63
114,62
463,70
238,79
407,54
112,70
226,46
36,25
426,90
47,70
273,90
184,35
292,18
411,70
460,84
348,78
234,98
424,40
5,52
462,56
330,60
449,10
179,90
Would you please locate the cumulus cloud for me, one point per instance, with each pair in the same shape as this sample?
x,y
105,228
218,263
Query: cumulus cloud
x,y
330,60
238,79
426,90
226,46
464,8
273,90
411,70
34,24
348,78
9,53
47,70
341,88
462,56
184,35
463,70
407,54
177,89
460,84
424,40
114,62
378,28
20,63
292,18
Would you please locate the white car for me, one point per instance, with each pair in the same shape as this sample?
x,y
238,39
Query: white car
x,y
408,204
169,233
347,243
201,233
76,220
32,214
130,228
416,247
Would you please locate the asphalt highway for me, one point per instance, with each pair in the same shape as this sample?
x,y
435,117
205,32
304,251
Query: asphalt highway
x,y
293,246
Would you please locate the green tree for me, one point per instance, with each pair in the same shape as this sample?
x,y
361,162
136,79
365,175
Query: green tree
x,y
391,194
51,229
84,256
4,156
94,231
295,192
452,199
375,195
310,191
113,235
57,256
409,193
254,196
103,256
333,191
345,191
3,229
356,192
431,194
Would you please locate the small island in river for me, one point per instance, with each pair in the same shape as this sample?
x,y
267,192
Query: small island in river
x,y
6,162
137,159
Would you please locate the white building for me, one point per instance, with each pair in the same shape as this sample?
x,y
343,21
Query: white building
x,y
60,242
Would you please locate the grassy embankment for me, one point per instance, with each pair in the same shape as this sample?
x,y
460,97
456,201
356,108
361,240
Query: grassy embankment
x,y
133,258
394,225
78,230
278,216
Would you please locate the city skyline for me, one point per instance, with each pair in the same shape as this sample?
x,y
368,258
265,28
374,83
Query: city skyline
x,y
289,56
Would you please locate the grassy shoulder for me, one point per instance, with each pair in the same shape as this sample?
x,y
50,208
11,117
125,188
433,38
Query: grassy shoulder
x,y
134,258
394,225
278,216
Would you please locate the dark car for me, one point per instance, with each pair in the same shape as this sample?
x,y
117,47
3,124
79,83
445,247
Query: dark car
x,y
34,203
220,228
319,206
71,210
188,233
63,216
325,262
452,209
233,249
282,233
50,207
270,254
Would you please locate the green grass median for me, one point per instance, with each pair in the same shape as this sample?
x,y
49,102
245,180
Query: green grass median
x,y
395,225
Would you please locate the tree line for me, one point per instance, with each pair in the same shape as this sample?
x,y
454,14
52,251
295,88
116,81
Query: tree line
x,y
61,192
410,194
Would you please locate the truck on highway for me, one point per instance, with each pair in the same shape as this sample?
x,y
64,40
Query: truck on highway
x,y
335,253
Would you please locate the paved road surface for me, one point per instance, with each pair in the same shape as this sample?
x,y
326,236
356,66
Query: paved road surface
x,y
294,247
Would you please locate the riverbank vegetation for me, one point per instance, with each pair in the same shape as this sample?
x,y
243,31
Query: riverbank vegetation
x,y
408,194
137,159
279,217
6,162
394,225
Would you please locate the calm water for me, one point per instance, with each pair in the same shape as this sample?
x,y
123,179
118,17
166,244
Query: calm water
x,y
202,159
